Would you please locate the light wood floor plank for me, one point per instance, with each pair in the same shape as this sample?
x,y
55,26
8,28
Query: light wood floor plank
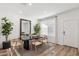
x,y
60,50
64,51
55,50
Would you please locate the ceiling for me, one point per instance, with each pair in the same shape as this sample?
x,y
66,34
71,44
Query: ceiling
x,y
40,10
36,10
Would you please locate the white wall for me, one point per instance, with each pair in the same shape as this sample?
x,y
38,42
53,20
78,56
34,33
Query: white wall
x,y
69,15
12,12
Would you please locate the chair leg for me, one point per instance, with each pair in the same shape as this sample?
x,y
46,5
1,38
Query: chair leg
x,y
36,49
10,52
22,49
31,46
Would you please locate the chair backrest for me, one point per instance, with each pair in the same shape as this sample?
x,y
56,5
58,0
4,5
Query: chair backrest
x,y
35,36
44,36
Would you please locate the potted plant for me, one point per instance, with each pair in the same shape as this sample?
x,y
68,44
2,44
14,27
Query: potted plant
x,y
37,30
6,31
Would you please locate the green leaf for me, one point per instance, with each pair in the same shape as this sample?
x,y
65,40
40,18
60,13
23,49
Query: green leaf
x,y
37,28
7,27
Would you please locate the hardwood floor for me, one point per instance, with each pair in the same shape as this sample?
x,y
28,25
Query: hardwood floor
x,y
60,50
54,50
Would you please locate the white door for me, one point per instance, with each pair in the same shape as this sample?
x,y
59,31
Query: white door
x,y
70,33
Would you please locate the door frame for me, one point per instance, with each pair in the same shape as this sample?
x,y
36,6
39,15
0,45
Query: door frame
x,y
21,25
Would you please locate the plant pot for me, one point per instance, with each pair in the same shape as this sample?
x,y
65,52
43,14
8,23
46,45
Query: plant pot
x,y
26,44
6,44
